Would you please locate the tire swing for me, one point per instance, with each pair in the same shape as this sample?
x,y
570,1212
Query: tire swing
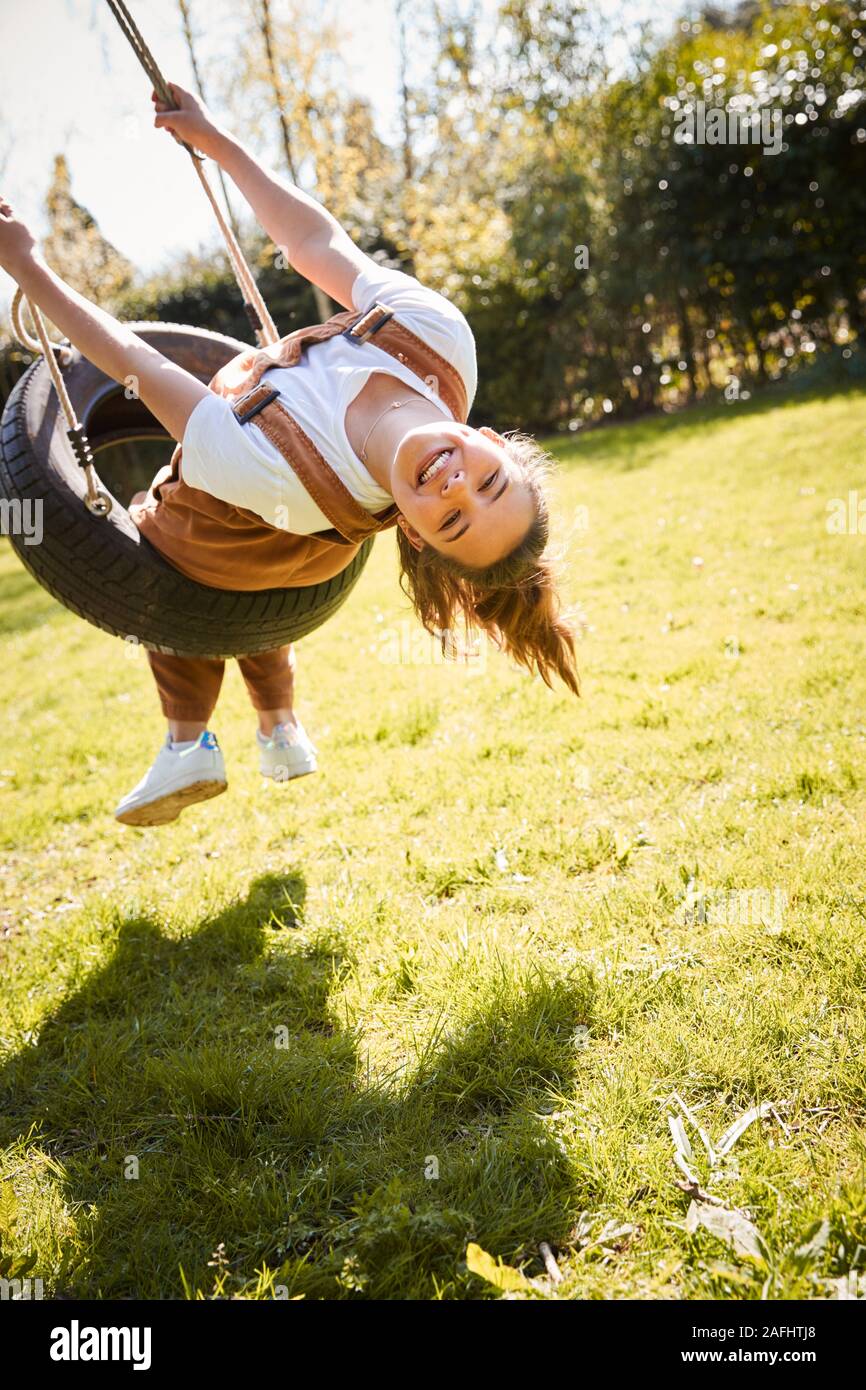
x,y
92,558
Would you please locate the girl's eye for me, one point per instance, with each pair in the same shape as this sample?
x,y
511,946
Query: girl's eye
x,y
489,481
450,520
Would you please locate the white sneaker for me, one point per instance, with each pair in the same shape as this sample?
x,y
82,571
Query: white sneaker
x,y
287,753
178,778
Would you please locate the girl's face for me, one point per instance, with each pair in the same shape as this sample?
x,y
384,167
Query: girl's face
x,y
458,491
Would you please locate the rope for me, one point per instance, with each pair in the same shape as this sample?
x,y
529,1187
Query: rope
x,y
25,337
199,86
256,309
265,329
96,501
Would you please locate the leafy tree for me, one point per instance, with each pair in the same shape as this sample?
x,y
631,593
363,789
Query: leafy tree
x,y
607,264
77,247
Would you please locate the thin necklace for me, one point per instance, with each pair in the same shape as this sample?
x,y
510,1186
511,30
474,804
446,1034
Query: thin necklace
x,y
395,405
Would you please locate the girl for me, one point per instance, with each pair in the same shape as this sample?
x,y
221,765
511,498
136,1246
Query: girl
x,y
279,487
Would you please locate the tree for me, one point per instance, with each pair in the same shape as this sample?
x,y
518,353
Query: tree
x,y
76,246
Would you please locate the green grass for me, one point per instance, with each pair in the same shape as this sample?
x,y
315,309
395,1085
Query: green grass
x,y
466,932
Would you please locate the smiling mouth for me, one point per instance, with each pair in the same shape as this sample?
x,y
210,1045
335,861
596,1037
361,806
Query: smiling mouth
x,y
433,466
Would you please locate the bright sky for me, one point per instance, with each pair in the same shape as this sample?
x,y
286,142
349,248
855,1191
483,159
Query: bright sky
x,y
69,83
71,57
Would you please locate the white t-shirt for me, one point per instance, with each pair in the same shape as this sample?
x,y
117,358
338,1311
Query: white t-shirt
x,y
239,465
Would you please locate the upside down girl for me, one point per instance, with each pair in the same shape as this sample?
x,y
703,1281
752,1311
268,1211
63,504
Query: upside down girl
x,y
294,454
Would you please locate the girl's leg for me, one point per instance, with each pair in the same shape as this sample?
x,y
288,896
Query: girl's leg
x,y
285,751
270,680
188,688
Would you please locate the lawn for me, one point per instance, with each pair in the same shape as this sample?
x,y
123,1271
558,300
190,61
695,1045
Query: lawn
x,y
488,978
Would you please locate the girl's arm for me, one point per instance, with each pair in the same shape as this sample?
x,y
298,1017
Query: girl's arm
x,y
169,392
312,240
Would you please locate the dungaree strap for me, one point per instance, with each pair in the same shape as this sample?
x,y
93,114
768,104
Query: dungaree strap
x,y
260,404
330,494
378,325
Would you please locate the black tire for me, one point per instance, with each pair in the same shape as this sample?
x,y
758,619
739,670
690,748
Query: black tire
x,y
101,567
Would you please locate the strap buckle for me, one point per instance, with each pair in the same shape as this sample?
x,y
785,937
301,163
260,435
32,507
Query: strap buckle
x,y
248,414
369,323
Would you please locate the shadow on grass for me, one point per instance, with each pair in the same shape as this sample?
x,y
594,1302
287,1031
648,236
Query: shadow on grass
x,y
201,1092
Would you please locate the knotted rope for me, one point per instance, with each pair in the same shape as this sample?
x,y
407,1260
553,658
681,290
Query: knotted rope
x,y
96,500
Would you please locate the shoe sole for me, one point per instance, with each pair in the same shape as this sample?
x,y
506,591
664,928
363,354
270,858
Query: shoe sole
x,y
168,808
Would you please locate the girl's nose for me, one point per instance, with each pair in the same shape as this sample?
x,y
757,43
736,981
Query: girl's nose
x,y
455,482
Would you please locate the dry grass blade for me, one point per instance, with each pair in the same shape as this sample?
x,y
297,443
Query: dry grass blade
x,y
553,1270
739,1127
